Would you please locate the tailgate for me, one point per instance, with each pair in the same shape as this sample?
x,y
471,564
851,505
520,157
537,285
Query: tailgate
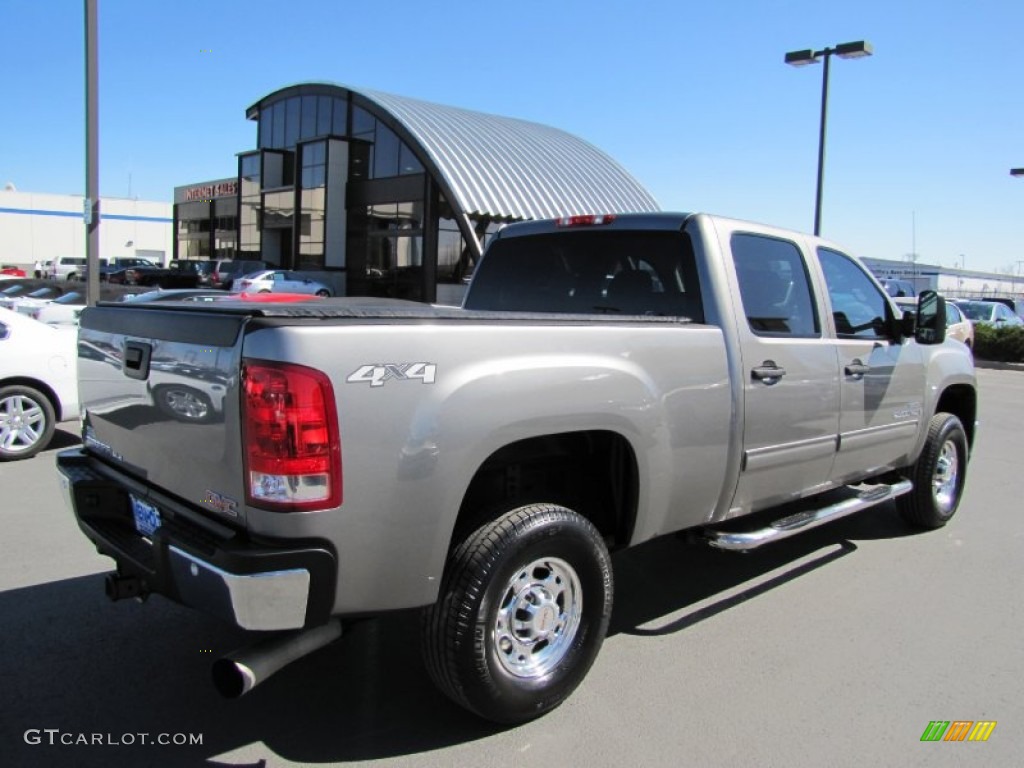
x,y
159,392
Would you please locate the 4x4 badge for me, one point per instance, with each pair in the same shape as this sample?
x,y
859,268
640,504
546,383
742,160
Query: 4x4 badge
x,y
376,375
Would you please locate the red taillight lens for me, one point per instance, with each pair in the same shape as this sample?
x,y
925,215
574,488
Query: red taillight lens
x,y
292,448
587,220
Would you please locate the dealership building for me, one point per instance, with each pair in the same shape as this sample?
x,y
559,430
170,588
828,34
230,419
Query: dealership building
x,y
385,195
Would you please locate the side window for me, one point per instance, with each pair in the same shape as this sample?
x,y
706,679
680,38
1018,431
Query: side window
x,y
774,287
953,315
859,309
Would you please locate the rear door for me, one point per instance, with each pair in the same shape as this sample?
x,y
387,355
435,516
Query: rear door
x,y
790,386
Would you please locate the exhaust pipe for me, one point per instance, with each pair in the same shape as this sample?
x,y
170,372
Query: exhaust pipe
x,y
239,672
120,587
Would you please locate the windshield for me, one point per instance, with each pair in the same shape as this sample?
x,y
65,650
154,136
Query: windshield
x,y
69,298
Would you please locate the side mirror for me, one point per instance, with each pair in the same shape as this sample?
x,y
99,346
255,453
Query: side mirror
x,y
931,318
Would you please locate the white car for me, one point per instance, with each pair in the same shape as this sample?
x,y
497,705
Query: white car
x,y
279,281
66,309
38,382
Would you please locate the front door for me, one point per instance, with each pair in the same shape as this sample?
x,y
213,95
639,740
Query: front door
x,y
791,387
882,381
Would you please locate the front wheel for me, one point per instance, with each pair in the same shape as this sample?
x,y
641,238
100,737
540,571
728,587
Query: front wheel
x,y
27,421
938,475
523,611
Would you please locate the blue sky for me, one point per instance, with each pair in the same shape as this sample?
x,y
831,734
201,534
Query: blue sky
x,y
693,99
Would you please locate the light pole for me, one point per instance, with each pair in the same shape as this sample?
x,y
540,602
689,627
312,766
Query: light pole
x,y
855,50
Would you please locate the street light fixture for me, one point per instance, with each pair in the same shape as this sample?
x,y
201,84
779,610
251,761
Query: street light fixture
x,y
855,50
1017,171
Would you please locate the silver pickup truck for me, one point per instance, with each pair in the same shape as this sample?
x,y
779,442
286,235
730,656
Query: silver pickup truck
x,y
609,379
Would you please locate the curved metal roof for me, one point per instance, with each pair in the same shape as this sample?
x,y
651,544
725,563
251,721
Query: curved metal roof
x,y
509,168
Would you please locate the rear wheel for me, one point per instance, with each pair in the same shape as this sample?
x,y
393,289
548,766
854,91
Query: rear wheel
x,y
27,421
938,475
323,293
522,613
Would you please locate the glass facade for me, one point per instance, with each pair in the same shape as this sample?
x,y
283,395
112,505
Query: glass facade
x,y
332,187
206,221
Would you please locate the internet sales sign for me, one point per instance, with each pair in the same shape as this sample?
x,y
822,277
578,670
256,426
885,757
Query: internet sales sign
x,y
208,192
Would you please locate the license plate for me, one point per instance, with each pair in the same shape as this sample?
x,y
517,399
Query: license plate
x,y
147,517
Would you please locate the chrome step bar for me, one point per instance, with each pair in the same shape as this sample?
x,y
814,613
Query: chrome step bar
x,y
744,541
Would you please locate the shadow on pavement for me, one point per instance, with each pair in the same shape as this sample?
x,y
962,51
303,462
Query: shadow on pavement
x,y
71,660
65,435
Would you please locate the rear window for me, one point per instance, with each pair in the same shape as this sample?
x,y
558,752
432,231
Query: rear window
x,y
590,272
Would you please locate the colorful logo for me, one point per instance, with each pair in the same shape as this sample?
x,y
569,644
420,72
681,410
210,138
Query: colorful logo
x,y
958,730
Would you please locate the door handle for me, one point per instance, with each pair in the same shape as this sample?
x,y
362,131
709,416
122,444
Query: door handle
x,y
768,372
857,369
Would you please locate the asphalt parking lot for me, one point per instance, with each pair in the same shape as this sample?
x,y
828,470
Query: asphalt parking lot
x,y
836,648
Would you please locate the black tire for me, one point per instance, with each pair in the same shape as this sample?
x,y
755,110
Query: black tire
x,y
323,293
541,559
27,421
938,475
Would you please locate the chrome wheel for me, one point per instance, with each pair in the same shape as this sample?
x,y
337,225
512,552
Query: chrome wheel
x,y
946,476
22,423
538,617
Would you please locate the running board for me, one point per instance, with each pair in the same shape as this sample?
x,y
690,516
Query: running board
x,y
743,541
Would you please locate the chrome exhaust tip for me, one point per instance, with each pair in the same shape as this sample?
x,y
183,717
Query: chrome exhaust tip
x,y
239,672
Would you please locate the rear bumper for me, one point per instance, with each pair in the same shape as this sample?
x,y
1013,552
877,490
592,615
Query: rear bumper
x,y
265,584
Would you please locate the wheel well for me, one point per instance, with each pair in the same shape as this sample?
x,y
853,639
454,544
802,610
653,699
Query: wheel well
x,y
593,473
962,401
38,385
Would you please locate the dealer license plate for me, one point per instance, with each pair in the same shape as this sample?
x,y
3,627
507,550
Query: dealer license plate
x,y
147,517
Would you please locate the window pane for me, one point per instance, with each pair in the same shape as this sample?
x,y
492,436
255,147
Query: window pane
x,y
339,124
859,309
774,286
291,125
308,117
385,154
362,122
408,162
266,128
323,116
279,113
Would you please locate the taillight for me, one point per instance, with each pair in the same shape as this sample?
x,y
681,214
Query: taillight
x,y
586,220
290,437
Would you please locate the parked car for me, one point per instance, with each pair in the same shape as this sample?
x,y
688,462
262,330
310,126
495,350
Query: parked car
x,y
957,326
43,293
68,267
203,268
992,313
38,385
117,266
68,307
16,286
1017,305
227,270
271,280
12,271
64,309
